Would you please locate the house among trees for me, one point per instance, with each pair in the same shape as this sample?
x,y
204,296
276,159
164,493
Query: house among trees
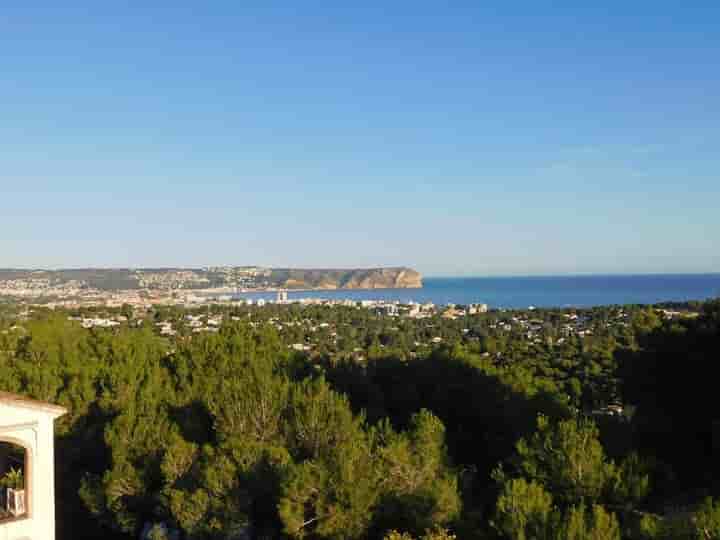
x,y
27,468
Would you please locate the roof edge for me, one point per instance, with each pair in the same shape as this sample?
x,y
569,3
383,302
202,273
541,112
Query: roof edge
x,y
16,400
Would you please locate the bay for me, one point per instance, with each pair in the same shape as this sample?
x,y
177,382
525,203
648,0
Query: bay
x,y
538,291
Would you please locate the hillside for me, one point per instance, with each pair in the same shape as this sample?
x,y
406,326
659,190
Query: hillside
x,y
373,278
245,277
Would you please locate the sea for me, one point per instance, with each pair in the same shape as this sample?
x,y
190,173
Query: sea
x,y
533,291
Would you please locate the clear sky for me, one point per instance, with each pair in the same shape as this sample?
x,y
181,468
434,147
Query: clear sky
x,y
454,137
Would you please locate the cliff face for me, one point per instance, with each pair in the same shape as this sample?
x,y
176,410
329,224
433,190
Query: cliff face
x,y
384,278
373,278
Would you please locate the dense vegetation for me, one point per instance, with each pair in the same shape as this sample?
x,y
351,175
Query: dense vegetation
x,y
504,425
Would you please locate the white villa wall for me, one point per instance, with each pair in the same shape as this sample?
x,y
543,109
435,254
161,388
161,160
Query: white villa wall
x,y
32,429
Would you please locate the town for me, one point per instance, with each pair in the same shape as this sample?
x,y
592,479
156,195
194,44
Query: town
x,y
115,287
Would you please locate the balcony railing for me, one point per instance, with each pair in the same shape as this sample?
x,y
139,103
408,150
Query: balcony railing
x,y
12,504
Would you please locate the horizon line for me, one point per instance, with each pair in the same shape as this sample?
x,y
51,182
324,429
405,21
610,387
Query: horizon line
x,y
431,275
573,274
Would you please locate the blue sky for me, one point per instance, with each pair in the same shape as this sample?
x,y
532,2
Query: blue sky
x,y
454,137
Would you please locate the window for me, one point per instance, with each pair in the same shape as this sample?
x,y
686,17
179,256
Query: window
x,y
13,481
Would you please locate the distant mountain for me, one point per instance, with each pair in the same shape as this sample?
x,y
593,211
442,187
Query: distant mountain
x,y
245,277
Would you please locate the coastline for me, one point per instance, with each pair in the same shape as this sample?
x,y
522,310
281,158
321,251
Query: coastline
x,y
522,292
232,290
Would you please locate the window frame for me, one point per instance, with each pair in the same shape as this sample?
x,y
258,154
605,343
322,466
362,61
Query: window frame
x,y
27,477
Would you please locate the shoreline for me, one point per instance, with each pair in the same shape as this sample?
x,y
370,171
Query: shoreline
x,y
275,290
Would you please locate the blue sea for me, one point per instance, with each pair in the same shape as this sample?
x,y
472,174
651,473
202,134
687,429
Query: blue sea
x,y
545,291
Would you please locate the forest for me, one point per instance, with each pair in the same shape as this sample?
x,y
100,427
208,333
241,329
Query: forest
x,y
338,422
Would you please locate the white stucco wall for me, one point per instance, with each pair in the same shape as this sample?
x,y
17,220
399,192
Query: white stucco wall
x,y
32,429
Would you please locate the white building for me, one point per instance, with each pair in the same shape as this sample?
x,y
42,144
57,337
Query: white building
x,y
474,309
27,425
